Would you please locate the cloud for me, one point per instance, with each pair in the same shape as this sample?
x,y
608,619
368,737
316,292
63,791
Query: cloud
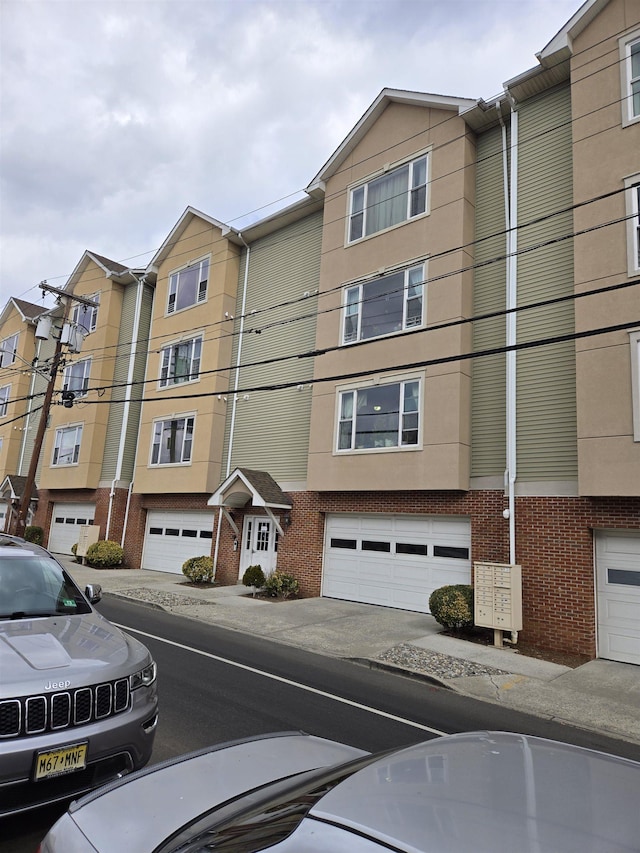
x,y
115,116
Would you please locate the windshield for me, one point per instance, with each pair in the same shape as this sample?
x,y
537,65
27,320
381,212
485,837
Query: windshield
x,y
33,585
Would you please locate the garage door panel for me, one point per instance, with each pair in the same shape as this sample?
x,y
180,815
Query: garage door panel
x,y
66,521
389,560
621,610
618,584
171,538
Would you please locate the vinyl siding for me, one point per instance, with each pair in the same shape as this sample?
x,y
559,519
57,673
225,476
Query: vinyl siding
x,y
546,402
488,395
119,393
272,427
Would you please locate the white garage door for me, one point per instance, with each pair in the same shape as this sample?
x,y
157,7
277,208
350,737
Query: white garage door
x,y
394,560
65,525
618,582
173,537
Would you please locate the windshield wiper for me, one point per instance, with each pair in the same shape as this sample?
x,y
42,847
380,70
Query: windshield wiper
x,y
25,614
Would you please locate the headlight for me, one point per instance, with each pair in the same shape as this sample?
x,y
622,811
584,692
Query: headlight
x,y
144,677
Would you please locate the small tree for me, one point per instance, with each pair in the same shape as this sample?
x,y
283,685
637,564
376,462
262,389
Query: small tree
x,y
452,606
253,576
198,569
34,534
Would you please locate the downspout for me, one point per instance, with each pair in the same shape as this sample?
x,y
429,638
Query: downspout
x,y
126,413
510,183
512,302
234,403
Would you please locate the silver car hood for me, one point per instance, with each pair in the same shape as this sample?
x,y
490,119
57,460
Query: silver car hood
x,y
63,652
151,805
491,791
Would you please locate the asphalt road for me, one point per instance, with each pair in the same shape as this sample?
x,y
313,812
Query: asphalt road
x,y
217,685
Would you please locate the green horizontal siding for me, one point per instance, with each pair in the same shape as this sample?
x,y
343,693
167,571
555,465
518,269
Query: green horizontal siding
x,y
272,427
115,422
546,403
488,395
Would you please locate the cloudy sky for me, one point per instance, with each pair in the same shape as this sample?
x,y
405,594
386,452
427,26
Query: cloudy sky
x,y
115,116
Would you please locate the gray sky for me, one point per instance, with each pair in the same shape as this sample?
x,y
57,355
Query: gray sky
x,y
115,116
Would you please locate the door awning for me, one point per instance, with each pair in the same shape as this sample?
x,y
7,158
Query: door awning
x,y
245,486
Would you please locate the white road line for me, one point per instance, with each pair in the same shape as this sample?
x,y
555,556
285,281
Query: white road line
x,y
285,681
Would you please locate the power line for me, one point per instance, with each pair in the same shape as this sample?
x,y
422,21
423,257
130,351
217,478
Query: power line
x,y
618,61
545,303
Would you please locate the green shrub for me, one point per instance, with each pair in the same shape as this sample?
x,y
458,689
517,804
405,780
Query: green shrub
x,y
74,549
198,569
452,606
104,554
34,534
280,585
254,576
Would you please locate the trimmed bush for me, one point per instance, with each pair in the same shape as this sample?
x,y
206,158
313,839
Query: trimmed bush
x,y
104,554
280,585
254,576
34,534
198,569
452,606
74,549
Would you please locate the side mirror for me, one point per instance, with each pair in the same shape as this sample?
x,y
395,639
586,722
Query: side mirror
x,y
93,591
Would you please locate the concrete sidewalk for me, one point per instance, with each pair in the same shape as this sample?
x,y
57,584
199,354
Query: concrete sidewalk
x,y
600,695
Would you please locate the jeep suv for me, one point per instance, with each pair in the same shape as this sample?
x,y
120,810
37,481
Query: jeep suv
x,y
78,700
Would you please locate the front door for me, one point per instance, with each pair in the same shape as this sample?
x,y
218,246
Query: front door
x,y
259,544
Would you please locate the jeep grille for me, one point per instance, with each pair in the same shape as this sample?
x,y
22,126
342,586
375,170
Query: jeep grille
x,y
31,715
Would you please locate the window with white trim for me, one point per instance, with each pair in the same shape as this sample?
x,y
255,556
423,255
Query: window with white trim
x,y
634,345
633,223
379,416
8,350
86,316
383,305
180,362
66,450
4,400
188,286
76,377
630,71
172,441
390,199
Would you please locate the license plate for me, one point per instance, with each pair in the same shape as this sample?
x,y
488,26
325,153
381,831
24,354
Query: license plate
x,y
55,762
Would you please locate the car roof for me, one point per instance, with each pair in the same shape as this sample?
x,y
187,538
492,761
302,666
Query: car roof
x,y
488,791
14,546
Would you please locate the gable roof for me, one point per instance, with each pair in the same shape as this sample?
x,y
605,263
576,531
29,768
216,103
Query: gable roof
x,y
112,270
27,310
244,485
12,487
561,45
364,125
178,230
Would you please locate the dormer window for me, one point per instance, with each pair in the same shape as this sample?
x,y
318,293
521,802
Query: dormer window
x,y
388,200
188,286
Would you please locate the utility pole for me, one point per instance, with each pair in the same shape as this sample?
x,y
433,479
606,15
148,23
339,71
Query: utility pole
x,y
25,500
